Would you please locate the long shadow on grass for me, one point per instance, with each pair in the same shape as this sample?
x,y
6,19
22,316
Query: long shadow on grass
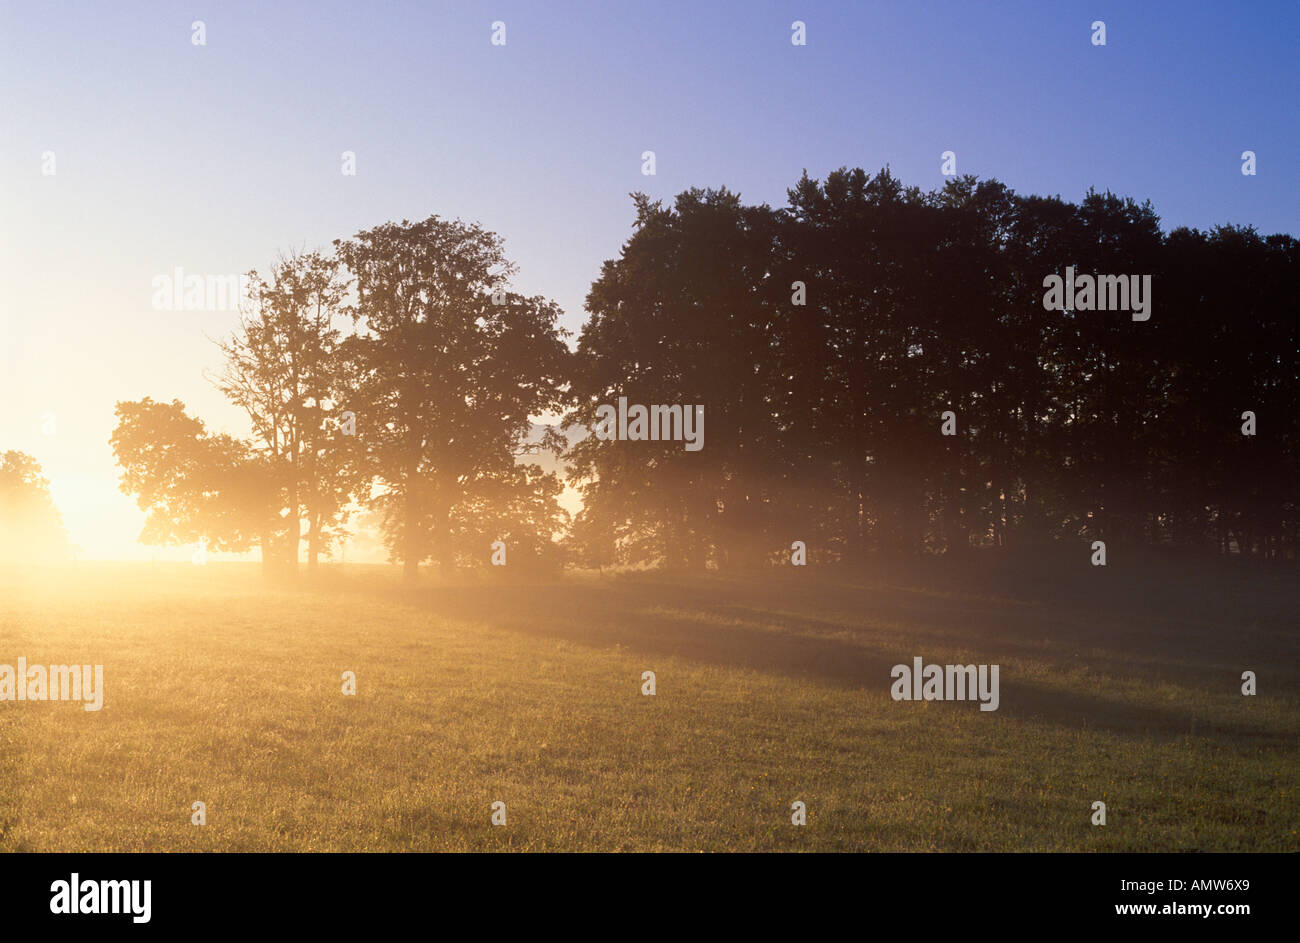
x,y
699,621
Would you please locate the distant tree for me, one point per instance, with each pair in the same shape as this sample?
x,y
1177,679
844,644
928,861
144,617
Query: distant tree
x,y
194,484
31,528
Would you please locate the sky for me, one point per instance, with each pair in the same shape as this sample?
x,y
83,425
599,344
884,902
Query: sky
x,y
215,158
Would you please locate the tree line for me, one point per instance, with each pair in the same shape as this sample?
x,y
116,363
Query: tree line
x,y
832,343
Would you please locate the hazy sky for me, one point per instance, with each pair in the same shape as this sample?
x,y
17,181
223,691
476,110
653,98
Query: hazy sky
x,y
216,157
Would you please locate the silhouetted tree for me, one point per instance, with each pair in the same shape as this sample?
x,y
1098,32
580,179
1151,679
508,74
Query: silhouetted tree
x,y
449,376
682,318
284,368
195,484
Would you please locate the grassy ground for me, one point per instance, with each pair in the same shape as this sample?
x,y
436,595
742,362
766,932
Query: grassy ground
x,y
1117,684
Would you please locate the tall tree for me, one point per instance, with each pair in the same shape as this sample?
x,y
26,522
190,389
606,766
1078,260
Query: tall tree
x,y
452,368
682,318
284,368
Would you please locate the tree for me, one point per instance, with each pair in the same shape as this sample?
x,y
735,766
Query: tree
x,y
194,484
451,367
286,370
31,528
867,245
683,318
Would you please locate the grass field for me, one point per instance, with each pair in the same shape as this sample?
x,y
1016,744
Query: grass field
x,y
1117,684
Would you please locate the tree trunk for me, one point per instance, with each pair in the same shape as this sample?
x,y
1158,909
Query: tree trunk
x,y
313,541
442,538
410,556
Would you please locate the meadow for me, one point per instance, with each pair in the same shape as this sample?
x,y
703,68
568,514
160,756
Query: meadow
x,y
1120,684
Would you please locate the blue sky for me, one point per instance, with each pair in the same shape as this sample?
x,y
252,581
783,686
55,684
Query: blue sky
x,y
217,157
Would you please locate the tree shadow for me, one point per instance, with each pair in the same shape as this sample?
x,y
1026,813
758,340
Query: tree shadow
x,y
761,625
